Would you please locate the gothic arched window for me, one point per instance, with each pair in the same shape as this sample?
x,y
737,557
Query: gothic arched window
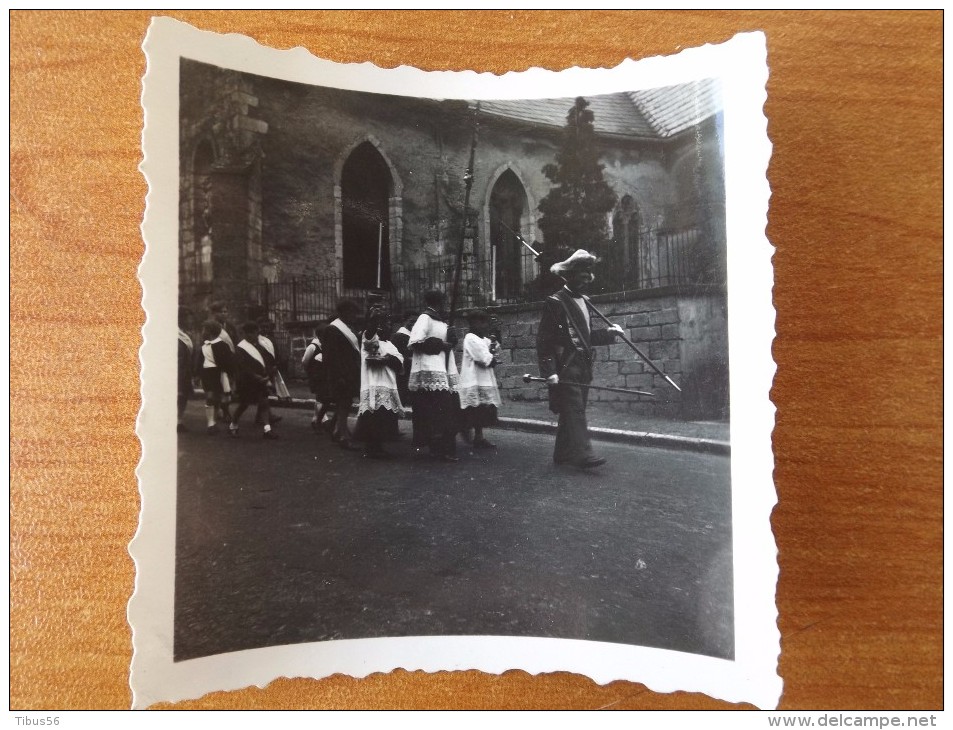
x,y
625,254
366,189
509,211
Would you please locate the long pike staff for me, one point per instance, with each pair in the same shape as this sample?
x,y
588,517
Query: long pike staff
x,y
628,391
601,316
468,181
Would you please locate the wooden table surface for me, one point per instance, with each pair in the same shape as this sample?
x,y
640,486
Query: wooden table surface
x,y
854,108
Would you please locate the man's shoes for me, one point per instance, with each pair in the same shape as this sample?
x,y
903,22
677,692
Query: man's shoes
x,y
483,444
233,432
588,462
212,430
269,435
347,445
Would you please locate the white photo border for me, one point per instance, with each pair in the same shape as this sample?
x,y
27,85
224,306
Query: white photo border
x,y
741,66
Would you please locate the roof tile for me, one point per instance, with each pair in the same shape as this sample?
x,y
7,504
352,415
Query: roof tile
x,y
649,113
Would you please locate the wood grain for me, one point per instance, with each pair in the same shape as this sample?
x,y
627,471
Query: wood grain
x,y
854,108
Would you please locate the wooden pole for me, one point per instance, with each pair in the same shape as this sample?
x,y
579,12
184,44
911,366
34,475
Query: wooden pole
x,y
493,270
468,181
605,319
380,251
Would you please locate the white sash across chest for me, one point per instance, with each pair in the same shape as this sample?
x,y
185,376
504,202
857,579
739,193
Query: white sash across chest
x,y
186,340
267,344
346,331
208,354
251,350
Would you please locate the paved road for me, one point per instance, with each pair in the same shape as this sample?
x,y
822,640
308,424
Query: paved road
x,y
295,540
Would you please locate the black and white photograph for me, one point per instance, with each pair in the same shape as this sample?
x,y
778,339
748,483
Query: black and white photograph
x,y
453,366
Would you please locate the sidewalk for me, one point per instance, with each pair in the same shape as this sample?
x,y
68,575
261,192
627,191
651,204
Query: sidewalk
x,y
605,423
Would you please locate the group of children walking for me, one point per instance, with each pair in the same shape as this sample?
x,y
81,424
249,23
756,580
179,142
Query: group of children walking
x,y
447,400
242,373
415,366
385,370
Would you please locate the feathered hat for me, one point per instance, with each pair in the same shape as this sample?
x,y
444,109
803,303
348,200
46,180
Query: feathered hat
x,y
579,260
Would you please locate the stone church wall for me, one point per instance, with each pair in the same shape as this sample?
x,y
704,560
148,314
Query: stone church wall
x,y
683,332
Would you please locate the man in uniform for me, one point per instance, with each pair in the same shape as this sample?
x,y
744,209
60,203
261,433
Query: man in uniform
x,y
564,345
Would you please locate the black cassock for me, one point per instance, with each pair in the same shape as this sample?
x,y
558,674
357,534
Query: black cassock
x,y
401,340
342,365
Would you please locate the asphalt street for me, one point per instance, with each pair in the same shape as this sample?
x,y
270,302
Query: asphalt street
x,y
296,540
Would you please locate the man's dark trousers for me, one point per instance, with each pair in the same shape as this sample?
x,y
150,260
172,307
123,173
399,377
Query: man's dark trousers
x,y
572,435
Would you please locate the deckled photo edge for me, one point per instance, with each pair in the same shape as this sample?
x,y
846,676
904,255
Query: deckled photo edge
x,y
752,677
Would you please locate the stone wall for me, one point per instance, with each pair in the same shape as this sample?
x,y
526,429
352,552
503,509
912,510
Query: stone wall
x,y
274,200
684,333
221,202
305,134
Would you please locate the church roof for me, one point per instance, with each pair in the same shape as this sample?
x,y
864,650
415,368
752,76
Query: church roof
x,y
674,109
651,113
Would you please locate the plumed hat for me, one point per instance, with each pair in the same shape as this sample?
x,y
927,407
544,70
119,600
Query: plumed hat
x,y
579,260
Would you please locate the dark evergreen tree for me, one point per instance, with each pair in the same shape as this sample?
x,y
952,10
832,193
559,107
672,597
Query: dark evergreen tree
x,y
574,211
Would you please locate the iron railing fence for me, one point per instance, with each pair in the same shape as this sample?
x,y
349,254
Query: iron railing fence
x,y
654,259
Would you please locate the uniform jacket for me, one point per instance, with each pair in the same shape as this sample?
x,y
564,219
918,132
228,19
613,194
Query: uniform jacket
x,y
565,340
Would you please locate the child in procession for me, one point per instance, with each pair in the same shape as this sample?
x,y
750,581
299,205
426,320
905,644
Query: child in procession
x,y
380,406
276,383
186,357
342,362
479,392
214,373
433,381
401,339
313,362
253,378
219,311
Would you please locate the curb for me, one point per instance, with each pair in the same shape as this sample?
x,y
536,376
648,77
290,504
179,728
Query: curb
x,y
621,436
615,435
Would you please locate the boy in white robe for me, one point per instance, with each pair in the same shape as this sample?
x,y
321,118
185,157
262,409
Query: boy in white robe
x,y
380,405
433,381
479,392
